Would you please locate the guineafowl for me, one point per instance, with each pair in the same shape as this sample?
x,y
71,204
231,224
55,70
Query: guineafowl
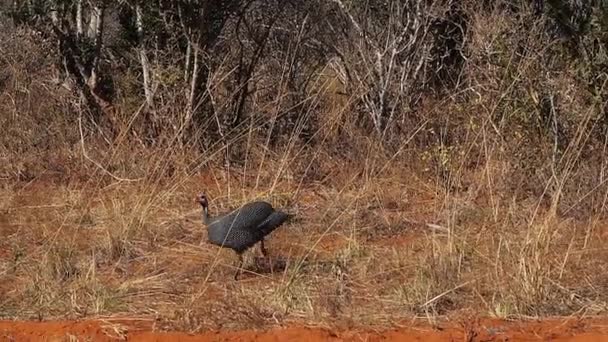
x,y
242,228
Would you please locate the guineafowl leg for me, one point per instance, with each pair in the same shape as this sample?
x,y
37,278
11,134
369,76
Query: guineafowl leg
x,y
262,248
265,254
238,270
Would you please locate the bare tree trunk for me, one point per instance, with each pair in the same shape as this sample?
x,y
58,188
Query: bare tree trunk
x,y
187,64
93,22
79,29
84,72
202,27
55,18
192,96
143,57
15,6
97,16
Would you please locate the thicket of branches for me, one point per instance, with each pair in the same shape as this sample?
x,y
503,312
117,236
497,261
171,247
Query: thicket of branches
x,y
206,72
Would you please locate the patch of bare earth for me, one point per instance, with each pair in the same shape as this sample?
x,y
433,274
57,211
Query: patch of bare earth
x,y
476,330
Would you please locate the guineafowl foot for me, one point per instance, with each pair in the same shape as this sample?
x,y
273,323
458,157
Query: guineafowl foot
x,y
271,265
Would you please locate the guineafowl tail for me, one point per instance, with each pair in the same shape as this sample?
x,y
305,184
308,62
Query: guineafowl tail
x,y
273,221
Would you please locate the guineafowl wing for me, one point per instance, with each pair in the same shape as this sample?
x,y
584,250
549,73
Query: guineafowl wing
x,y
249,215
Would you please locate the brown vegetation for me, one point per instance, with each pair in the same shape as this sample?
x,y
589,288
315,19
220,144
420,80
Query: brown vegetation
x,y
463,175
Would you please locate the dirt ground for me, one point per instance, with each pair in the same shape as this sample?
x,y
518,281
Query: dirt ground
x,y
143,269
569,329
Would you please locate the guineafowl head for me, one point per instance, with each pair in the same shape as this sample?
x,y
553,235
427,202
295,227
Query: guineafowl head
x,y
202,200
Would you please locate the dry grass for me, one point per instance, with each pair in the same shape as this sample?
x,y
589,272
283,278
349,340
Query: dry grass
x,y
360,252
471,212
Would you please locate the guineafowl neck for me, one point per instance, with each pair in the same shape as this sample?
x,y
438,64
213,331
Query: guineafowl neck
x,y
206,219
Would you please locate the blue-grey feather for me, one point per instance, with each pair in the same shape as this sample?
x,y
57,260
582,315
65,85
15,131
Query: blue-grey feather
x,y
244,227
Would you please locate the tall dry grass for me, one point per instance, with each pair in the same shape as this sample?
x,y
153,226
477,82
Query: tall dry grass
x,y
474,209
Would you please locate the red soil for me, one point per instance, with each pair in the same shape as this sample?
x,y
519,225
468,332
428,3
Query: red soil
x,y
484,330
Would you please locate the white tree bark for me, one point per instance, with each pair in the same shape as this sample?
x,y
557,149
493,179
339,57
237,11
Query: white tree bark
x,y
143,56
187,64
55,17
389,64
96,34
193,84
79,29
94,22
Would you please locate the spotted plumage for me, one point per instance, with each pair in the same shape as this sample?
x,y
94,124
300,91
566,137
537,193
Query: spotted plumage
x,y
242,228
